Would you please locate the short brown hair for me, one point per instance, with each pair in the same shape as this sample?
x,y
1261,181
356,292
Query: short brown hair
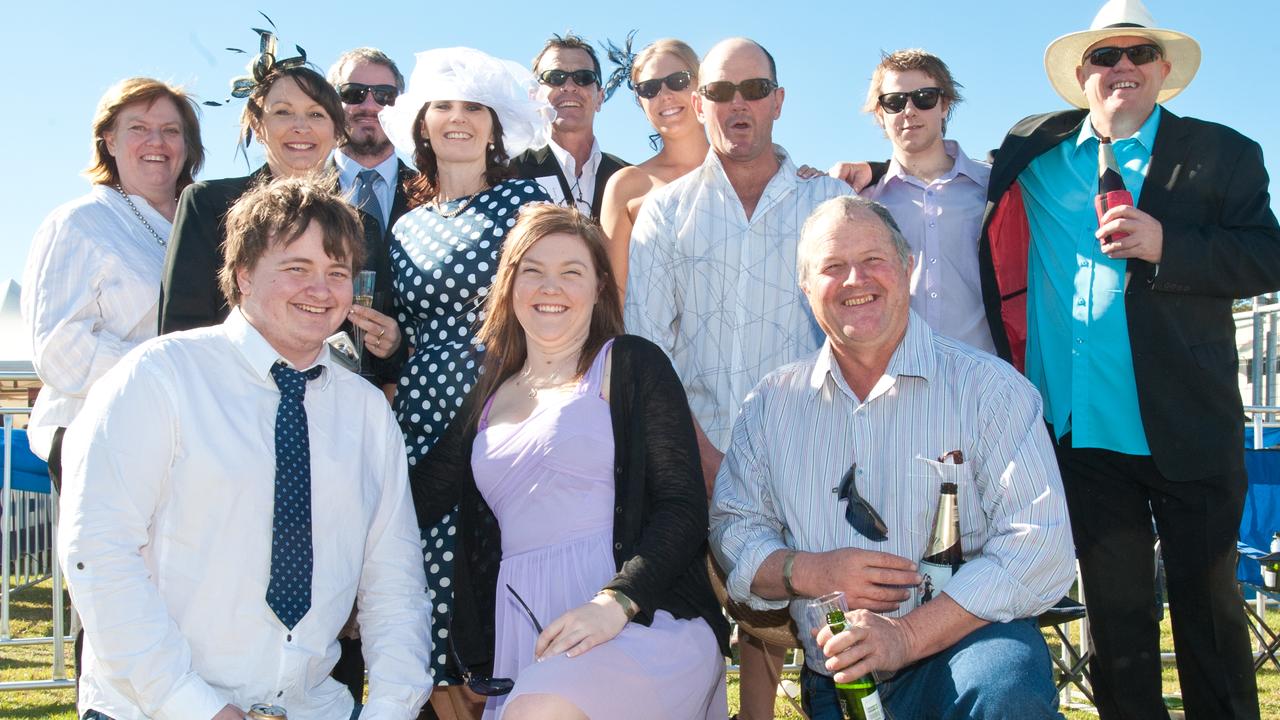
x,y
312,84
102,168
914,59
347,61
666,46
501,335
568,41
277,213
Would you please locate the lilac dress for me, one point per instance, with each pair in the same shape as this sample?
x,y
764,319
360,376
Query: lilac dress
x,y
550,481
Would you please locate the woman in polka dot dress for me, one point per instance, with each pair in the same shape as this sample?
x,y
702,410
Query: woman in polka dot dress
x,y
464,114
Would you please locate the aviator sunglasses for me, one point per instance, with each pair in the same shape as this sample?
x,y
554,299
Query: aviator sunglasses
x,y
925,98
355,93
676,81
859,513
581,78
1110,56
723,90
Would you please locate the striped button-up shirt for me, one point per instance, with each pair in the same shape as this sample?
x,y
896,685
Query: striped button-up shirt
x,y
802,427
718,291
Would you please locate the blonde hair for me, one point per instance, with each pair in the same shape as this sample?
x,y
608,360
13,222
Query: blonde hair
x,y
914,59
666,46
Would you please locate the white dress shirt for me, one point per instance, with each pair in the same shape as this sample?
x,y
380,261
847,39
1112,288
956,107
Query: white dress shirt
x,y
166,537
802,427
90,293
582,186
719,292
941,221
384,186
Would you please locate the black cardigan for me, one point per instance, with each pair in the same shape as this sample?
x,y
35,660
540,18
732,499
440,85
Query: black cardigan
x,y
660,518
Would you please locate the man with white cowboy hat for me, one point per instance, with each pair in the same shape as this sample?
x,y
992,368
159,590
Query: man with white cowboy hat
x,y
1124,324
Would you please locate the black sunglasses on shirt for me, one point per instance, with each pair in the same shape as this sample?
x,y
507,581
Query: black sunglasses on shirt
x,y
676,81
581,78
859,513
355,93
1138,55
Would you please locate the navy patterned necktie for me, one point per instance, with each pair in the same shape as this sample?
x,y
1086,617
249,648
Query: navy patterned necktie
x,y
366,198
289,592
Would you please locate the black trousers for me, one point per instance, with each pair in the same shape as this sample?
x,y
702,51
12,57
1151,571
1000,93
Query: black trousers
x,y
1112,499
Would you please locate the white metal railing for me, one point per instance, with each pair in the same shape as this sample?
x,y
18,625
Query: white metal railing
x,y
1264,367
28,527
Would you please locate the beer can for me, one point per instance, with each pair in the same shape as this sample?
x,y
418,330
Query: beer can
x,y
262,711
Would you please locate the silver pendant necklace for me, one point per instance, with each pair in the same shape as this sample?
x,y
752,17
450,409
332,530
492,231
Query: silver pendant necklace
x,y
145,224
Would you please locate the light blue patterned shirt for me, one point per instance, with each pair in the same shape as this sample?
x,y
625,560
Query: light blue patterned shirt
x,y
717,291
802,427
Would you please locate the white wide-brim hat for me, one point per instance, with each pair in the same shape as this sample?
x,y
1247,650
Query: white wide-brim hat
x,y
470,75
1120,18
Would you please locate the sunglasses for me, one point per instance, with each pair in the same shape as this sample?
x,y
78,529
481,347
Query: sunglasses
x,y
723,90
676,81
488,686
581,78
859,512
924,99
478,684
355,93
1138,55
536,625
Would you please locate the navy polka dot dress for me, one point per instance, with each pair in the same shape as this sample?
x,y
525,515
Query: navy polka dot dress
x,y
443,268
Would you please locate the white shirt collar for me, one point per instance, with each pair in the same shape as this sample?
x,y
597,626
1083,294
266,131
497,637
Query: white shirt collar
x,y
259,354
348,169
569,165
964,165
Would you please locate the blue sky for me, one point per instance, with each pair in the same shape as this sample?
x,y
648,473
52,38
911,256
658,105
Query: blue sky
x,y
63,55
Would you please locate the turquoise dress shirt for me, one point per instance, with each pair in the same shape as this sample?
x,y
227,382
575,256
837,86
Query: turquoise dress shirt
x,y
1078,351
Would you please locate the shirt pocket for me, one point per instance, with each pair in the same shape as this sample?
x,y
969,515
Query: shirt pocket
x,y
927,477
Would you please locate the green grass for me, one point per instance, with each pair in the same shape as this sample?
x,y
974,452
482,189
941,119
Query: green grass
x,y
30,617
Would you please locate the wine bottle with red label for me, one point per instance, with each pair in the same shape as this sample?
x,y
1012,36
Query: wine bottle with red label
x,y
1111,190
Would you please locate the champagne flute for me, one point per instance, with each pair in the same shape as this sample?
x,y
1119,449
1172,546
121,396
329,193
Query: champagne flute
x,y
859,700
362,294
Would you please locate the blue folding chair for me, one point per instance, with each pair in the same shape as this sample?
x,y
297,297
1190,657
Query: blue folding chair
x,y
30,473
1261,519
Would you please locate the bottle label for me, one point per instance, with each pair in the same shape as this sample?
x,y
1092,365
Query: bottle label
x,y
871,706
935,577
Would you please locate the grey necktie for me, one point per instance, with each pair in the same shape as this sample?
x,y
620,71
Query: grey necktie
x,y
366,198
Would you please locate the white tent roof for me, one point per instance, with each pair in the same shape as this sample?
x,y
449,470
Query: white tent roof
x,y
15,344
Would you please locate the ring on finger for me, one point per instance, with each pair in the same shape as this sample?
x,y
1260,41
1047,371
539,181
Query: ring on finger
x,y
381,332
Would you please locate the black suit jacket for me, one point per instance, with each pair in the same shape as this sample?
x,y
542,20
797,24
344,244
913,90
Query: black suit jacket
x,y
400,205
1208,188
534,164
189,293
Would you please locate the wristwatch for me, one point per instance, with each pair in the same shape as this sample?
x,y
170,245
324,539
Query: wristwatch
x,y
788,565
628,606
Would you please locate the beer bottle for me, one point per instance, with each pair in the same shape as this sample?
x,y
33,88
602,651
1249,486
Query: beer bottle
x,y
943,555
859,699
1111,190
